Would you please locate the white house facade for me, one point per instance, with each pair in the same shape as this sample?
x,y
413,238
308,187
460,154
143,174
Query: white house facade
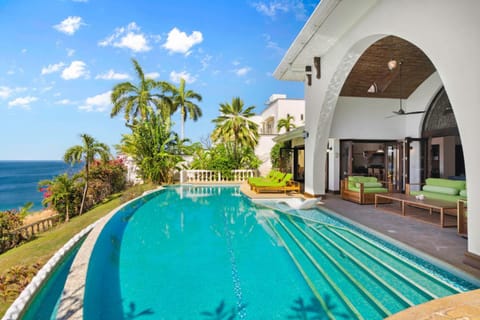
x,y
329,50
278,107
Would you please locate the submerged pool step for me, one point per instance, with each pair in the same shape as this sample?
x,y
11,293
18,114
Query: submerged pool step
x,y
359,301
415,276
378,293
301,267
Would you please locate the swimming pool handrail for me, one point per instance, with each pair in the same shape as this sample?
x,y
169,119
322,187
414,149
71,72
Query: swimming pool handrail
x,y
304,274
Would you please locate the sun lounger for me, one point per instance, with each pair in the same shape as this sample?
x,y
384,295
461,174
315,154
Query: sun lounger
x,y
285,185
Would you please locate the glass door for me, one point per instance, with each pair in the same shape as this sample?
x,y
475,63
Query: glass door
x,y
415,161
394,165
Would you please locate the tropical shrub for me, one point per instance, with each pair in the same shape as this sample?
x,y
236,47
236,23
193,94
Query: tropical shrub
x,y
15,279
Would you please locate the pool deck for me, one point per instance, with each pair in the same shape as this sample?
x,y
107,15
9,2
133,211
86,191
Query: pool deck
x,y
444,245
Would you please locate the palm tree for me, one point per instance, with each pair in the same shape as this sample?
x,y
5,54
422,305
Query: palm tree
x,y
135,100
235,126
286,123
86,152
182,100
62,192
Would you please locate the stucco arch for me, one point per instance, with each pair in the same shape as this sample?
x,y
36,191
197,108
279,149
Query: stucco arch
x,y
453,64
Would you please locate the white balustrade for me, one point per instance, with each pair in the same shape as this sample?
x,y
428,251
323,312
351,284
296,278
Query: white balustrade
x,y
213,176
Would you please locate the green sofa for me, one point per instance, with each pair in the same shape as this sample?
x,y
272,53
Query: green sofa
x,y
362,189
441,189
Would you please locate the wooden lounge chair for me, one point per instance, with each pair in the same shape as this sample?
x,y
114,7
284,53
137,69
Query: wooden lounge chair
x,y
362,190
285,185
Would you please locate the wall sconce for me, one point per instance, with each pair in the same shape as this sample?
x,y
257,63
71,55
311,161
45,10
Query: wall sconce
x,y
316,63
305,134
329,147
308,71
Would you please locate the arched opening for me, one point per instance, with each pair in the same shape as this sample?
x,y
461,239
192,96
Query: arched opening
x,y
445,152
379,112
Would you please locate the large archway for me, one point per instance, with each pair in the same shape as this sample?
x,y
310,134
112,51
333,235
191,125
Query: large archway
x,y
339,35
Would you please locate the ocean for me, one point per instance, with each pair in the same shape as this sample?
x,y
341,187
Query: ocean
x,y
19,181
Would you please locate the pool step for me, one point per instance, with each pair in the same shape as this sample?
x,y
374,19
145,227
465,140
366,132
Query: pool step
x,y
368,281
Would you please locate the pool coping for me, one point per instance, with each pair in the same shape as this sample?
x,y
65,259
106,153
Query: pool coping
x,y
16,309
71,302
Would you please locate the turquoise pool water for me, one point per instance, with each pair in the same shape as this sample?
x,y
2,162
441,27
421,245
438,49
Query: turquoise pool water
x,y
210,253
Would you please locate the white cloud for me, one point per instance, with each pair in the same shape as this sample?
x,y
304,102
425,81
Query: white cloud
x,y
272,8
242,71
179,42
112,75
70,52
100,102
5,92
70,25
205,62
273,45
152,75
51,68
127,37
64,102
24,50
75,70
176,76
23,102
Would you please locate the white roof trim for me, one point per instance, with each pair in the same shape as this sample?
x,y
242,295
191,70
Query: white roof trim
x,y
293,134
328,22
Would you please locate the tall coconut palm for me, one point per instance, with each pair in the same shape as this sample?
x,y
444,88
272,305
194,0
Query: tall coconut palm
x,y
62,189
136,100
86,152
183,100
286,123
235,126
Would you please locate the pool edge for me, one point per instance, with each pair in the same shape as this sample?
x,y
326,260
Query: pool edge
x,y
71,302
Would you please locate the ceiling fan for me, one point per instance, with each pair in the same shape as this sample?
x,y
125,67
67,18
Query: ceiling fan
x,y
394,71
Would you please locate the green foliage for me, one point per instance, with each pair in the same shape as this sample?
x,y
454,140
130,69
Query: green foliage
x,y
221,158
235,128
15,279
137,101
155,149
286,123
86,152
182,100
275,155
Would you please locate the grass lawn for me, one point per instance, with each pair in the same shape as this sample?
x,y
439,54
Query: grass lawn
x,y
46,244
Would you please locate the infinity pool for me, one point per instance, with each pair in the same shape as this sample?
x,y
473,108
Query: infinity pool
x,y
210,253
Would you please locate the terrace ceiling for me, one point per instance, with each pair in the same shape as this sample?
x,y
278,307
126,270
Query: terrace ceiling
x,y
372,66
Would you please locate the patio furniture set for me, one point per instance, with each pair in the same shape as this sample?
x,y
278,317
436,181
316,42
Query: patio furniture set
x,y
447,197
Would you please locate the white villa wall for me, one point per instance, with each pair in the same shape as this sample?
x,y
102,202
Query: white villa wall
x,y
280,107
447,31
262,150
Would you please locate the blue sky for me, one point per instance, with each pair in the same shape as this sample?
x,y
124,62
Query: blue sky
x,y
60,59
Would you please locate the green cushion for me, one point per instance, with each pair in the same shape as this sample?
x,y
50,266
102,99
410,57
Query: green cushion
x,y
439,189
436,195
369,185
463,193
353,180
457,184
370,190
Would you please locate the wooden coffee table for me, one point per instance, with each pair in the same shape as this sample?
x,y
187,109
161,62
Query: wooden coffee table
x,y
429,204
